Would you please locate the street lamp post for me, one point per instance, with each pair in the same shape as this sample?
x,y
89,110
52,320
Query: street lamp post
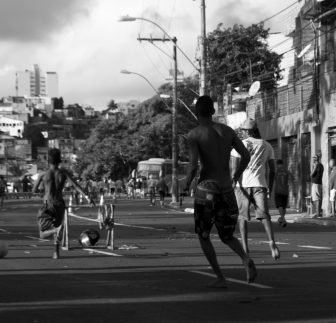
x,y
150,84
147,80
129,18
174,114
203,78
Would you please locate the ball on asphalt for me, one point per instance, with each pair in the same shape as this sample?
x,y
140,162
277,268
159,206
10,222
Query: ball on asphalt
x,y
3,249
89,238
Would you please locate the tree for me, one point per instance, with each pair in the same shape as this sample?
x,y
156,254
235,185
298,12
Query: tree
x,y
58,103
76,111
34,134
112,105
114,148
239,56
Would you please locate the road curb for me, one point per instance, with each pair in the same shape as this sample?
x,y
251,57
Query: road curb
x,y
291,218
321,221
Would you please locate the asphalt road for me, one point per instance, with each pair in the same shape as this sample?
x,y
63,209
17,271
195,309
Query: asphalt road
x,y
157,273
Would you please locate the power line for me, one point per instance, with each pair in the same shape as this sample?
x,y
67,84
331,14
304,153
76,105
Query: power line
x,y
278,13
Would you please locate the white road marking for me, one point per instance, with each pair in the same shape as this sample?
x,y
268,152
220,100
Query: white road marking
x,y
115,223
277,242
315,247
102,252
82,217
138,226
4,231
36,238
195,297
233,280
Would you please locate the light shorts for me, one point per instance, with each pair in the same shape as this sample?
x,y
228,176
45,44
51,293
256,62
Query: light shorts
x,y
332,195
257,196
316,192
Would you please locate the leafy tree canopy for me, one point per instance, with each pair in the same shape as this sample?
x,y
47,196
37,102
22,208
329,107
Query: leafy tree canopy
x,y
112,105
115,147
75,111
235,54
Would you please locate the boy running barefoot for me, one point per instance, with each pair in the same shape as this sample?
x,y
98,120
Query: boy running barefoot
x,y
50,216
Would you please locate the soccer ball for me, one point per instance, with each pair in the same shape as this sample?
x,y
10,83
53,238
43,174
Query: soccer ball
x,y
3,249
89,238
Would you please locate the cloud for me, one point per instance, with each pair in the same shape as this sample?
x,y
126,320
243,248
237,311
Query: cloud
x,y
36,20
240,12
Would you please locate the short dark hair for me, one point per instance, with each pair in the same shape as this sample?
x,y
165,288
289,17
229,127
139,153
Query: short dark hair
x,y
254,133
204,106
54,155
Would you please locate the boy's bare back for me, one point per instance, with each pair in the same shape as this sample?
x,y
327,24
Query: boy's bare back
x,y
54,181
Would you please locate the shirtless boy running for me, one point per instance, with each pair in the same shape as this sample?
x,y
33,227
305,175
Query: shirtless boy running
x,y
215,201
50,216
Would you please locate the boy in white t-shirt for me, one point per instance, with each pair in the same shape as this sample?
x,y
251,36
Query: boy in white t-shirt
x,y
253,186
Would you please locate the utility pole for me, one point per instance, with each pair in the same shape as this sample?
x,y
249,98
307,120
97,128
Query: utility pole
x,y
203,76
175,188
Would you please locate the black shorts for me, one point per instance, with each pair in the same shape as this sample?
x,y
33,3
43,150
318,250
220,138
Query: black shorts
x,y
223,214
281,200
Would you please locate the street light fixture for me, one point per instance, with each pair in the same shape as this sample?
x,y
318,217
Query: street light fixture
x,y
174,115
147,80
150,84
130,18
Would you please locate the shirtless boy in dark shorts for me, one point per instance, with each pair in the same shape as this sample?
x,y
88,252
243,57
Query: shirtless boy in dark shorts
x,y
215,201
50,216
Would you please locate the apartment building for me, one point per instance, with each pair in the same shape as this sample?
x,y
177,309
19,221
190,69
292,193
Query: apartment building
x,y
35,83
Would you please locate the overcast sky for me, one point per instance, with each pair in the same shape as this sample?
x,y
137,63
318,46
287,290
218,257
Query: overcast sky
x,y
85,44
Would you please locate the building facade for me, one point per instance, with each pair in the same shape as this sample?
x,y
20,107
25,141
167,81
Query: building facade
x,y
299,118
35,83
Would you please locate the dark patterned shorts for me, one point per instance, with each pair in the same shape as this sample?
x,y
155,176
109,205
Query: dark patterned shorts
x,y
50,215
223,214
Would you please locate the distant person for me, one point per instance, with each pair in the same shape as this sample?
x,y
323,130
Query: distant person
x,y
151,186
17,188
254,188
332,186
316,190
215,202
112,187
137,186
281,191
3,189
25,186
162,188
130,188
119,187
144,188
51,214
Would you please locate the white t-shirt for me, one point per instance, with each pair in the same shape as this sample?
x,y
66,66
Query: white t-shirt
x,y
261,152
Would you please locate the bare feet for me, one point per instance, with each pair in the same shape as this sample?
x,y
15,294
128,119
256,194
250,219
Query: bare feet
x,y
275,251
55,255
56,252
218,283
251,271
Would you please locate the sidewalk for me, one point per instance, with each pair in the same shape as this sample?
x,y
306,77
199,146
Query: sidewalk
x,y
292,216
